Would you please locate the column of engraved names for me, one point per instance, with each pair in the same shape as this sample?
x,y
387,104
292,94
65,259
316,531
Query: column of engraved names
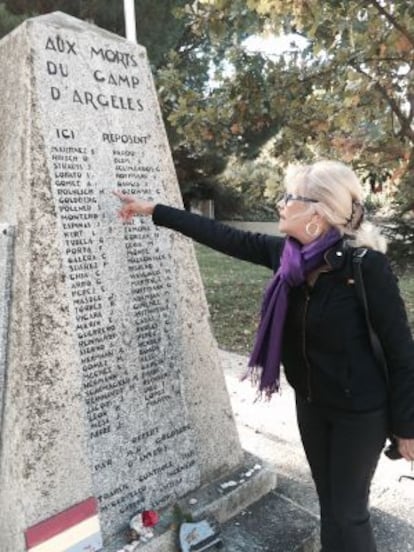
x,y
151,312
150,452
148,284
164,451
78,204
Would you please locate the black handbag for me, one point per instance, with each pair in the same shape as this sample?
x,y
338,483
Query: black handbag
x,y
391,449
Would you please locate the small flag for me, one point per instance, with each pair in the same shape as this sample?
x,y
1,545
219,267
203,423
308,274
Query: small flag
x,y
76,529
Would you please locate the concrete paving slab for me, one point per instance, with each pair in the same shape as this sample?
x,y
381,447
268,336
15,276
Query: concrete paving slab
x,y
273,524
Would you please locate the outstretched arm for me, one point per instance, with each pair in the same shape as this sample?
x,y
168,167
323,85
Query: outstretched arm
x,y
249,246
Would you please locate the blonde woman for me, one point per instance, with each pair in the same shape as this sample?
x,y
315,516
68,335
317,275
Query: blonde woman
x,y
314,324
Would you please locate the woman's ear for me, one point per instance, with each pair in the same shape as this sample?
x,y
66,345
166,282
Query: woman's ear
x,y
316,218
320,221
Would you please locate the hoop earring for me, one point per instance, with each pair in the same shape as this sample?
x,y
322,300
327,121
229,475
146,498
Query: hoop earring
x,y
315,232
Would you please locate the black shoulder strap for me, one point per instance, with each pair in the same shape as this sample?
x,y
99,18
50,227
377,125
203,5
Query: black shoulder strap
x,y
357,258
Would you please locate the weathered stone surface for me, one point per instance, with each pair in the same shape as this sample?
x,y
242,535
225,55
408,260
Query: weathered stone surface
x,y
6,262
114,385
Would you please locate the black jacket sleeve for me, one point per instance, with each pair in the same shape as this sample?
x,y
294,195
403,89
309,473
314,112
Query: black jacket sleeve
x,y
389,320
257,248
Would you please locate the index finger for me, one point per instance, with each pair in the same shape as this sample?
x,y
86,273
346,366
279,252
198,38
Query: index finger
x,y
122,196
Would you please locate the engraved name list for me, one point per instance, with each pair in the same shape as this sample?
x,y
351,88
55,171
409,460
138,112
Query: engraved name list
x,y
102,129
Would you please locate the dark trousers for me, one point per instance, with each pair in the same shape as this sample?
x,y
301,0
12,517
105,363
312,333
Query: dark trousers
x,y
343,449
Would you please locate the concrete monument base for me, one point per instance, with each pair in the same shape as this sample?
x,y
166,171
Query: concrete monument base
x,y
221,500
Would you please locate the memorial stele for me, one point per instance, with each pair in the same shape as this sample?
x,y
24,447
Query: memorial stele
x,y
111,388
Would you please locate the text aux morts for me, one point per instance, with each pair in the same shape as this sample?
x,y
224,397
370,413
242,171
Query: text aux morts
x,y
111,77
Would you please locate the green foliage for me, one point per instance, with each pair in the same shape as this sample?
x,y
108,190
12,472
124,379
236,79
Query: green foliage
x,y
234,289
179,516
256,183
213,93
8,20
354,92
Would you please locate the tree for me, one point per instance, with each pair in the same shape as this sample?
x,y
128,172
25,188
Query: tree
x,y
349,94
216,98
214,94
8,20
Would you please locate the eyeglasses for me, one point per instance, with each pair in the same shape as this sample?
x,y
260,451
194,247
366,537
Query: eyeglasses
x,y
285,198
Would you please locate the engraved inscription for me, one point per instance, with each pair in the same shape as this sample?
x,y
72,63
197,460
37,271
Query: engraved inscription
x,y
120,278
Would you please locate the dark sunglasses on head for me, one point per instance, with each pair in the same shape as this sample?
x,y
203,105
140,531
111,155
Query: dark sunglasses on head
x,y
291,197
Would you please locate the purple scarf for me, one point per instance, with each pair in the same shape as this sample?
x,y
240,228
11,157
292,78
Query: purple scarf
x,y
296,263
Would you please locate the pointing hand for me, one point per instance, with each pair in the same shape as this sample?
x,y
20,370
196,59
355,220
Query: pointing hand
x,y
132,206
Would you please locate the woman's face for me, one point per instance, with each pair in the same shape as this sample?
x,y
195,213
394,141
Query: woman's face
x,y
295,215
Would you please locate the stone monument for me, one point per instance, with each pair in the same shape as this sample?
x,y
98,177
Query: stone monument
x,y
112,399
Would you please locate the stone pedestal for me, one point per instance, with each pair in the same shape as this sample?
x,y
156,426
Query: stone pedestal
x,y
111,385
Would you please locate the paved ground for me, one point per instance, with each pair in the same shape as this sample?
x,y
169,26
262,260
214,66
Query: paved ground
x,y
286,519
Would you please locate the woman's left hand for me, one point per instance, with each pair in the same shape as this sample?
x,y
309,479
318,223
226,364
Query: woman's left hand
x,y
406,448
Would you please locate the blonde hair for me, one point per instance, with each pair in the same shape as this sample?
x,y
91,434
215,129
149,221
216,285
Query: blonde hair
x,y
339,196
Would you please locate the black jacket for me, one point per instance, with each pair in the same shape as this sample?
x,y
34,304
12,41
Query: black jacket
x,y
326,351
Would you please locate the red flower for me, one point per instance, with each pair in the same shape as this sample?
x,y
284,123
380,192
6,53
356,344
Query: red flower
x,y
150,518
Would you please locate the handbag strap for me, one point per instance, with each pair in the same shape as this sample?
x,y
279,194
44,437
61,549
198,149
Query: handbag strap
x,y
357,258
